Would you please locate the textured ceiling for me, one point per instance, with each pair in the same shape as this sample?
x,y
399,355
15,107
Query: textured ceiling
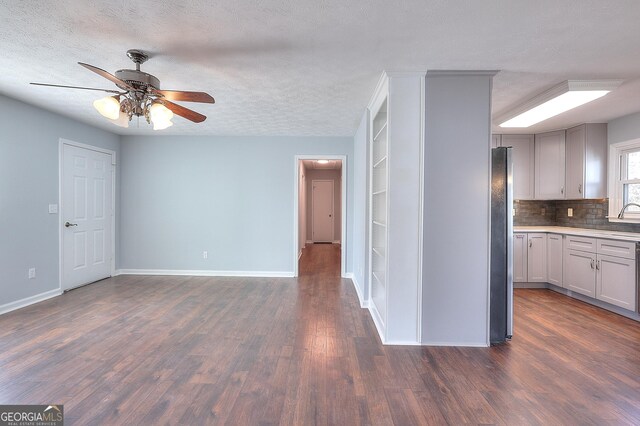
x,y
308,67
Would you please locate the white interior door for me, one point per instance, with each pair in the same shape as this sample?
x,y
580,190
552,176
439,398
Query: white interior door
x,y
87,186
322,210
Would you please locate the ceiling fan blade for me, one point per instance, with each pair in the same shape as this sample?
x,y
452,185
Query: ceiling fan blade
x,y
75,87
108,76
184,112
181,95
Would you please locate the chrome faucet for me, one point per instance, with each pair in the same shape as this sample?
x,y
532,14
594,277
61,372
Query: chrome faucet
x,y
621,214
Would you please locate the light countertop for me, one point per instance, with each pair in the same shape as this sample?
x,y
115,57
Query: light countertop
x,y
584,232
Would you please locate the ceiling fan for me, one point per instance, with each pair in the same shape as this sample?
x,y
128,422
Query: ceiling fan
x,y
140,96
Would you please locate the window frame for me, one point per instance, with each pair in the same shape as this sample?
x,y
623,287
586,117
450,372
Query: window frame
x,y
617,180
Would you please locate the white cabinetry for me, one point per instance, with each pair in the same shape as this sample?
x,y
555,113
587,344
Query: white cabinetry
x,y
616,276
519,258
580,272
550,165
599,268
554,259
602,269
522,155
586,162
537,257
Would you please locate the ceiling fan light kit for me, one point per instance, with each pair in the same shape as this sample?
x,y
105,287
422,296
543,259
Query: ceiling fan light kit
x,y
108,106
140,96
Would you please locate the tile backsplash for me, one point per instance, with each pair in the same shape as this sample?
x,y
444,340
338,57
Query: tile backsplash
x,y
586,214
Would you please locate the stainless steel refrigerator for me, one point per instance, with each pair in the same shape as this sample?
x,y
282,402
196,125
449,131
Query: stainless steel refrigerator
x,y
501,284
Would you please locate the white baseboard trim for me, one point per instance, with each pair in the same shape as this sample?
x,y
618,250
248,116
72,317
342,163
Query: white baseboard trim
x,y
356,284
299,254
336,242
461,344
309,242
377,321
206,273
12,306
402,343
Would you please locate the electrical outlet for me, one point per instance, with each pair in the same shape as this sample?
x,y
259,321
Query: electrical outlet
x,y
570,212
513,212
53,208
205,254
542,212
32,273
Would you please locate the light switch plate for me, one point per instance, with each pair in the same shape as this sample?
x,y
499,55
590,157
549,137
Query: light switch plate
x,y
32,273
53,208
570,212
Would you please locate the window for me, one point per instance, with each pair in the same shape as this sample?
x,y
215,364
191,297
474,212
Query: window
x,y
624,180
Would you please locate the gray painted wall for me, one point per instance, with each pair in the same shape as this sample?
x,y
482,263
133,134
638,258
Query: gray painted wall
x,y
456,210
230,196
29,147
624,128
318,174
360,229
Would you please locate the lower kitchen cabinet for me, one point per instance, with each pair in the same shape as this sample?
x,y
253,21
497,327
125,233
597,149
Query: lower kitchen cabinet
x,y
554,259
537,258
580,272
616,279
599,268
520,258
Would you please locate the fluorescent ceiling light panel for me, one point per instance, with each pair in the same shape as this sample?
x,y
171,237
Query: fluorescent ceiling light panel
x,y
563,97
323,161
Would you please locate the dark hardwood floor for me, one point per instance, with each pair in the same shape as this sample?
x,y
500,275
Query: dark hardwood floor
x,y
193,350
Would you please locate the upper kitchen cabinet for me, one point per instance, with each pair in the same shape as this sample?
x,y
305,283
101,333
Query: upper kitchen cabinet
x,y
523,164
586,161
549,166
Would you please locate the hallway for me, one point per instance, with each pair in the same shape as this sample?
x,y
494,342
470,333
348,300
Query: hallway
x,y
320,259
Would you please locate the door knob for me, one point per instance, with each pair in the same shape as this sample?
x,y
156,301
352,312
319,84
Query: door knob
x,y
67,224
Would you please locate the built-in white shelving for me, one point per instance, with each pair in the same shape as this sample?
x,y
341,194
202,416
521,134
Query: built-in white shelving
x,y
379,200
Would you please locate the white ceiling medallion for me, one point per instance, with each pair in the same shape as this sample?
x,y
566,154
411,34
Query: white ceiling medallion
x,y
563,97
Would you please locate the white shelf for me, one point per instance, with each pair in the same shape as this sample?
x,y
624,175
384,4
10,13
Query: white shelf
x,y
380,161
378,172
379,251
379,276
382,129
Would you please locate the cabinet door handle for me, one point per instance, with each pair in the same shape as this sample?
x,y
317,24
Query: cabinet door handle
x,y
592,262
530,243
562,189
598,265
580,188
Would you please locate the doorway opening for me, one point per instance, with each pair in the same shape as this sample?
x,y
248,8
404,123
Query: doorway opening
x,y
320,198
